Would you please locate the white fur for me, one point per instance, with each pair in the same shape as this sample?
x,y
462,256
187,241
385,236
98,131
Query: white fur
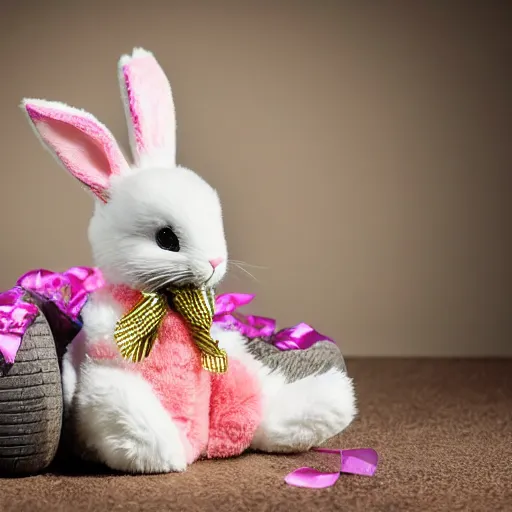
x,y
164,155
59,105
234,344
296,415
306,413
136,54
100,315
125,59
73,358
122,231
116,413
119,418
124,167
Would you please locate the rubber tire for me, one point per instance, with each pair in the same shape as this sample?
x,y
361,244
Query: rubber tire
x,y
31,404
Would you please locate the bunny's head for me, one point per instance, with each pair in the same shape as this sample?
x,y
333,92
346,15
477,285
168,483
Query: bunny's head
x,y
155,223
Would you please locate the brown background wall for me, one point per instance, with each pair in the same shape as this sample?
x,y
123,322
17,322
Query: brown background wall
x,y
362,151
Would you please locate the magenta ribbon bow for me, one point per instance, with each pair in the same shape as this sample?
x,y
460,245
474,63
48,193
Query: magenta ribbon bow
x,y
68,290
361,461
16,315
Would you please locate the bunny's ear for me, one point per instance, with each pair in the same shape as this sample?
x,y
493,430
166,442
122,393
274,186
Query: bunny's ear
x,y
149,109
79,141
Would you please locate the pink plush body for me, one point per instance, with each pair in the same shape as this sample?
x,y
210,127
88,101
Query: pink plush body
x,y
216,414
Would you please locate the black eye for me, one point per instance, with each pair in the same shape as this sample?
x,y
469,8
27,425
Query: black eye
x,y
167,239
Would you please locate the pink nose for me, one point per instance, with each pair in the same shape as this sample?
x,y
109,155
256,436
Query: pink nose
x,y
216,262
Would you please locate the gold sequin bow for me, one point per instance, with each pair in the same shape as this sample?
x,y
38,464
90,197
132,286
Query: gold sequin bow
x,y
136,331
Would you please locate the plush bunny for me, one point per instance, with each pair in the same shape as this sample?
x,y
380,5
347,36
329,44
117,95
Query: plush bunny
x,y
157,224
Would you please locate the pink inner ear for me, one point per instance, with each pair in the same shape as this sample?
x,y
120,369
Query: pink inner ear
x,y
81,156
151,109
84,146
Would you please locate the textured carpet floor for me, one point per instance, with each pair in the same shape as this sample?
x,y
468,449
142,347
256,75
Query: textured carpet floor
x,y
443,429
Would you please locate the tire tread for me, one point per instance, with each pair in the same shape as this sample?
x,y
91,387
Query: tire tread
x,y
31,404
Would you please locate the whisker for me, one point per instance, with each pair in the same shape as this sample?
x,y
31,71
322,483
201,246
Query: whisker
x,y
245,264
244,270
165,278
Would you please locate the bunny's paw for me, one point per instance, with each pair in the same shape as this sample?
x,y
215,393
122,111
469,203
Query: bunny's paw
x,y
305,413
121,420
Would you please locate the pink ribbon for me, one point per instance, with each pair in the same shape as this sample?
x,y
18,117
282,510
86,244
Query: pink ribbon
x,y
298,337
250,325
361,461
68,290
16,315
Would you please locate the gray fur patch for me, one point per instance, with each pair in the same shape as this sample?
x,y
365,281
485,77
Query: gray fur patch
x,y
297,364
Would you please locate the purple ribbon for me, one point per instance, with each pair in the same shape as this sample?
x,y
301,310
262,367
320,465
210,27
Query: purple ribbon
x,y
298,337
16,316
68,291
249,325
361,461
